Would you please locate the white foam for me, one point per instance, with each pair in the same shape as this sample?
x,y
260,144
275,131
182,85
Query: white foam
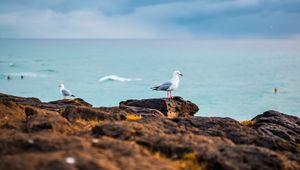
x,y
25,74
12,64
117,78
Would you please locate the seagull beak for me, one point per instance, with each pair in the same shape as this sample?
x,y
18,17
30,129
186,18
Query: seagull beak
x,y
181,74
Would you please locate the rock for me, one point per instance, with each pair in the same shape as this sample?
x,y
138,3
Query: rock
x,y
140,134
278,125
40,120
233,130
71,102
171,108
85,113
144,112
19,100
107,113
12,115
52,152
213,152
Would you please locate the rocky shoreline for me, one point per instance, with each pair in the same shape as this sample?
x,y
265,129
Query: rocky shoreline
x,y
141,134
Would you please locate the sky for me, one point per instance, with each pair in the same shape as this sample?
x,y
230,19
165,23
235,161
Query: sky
x,y
153,19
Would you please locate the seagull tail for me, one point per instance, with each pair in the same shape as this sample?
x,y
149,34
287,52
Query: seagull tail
x,y
73,95
155,88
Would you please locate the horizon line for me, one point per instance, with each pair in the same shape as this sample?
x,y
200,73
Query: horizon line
x,y
246,38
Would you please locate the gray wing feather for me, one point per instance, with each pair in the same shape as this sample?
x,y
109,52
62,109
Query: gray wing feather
x,y
66,92
165,86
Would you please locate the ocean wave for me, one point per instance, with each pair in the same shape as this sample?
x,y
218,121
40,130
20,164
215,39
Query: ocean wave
x,y
49,70
38,60
12,65
25,74
117,78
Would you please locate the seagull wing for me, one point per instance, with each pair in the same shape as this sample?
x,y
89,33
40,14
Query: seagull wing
x,y
164,87
66,92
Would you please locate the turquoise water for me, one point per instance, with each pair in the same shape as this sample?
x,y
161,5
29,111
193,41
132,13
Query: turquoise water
x,y
230,78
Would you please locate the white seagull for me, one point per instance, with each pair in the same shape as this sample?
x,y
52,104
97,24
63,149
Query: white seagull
x,y
65,92
170,85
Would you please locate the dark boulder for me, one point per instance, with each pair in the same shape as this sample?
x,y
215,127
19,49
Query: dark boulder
x,y
171,108
278,125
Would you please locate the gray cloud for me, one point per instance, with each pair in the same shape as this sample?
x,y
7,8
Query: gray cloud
x,y
152,19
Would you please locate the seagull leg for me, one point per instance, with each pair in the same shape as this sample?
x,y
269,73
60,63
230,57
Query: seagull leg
x,y
167,94
171,95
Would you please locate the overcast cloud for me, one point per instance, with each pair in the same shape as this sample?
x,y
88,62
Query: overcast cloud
x,y
155,19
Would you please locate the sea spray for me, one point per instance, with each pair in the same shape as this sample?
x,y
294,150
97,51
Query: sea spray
x,y
117,78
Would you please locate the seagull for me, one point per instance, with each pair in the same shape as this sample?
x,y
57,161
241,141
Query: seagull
x,y
170,85
65,92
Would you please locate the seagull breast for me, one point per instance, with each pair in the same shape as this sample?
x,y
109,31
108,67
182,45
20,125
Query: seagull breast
x,y
174,83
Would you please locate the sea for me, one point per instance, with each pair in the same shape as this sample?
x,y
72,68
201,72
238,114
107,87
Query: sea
x,y
225,78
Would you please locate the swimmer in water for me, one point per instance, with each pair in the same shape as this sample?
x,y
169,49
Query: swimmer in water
x,y
8,77
22,76
276,90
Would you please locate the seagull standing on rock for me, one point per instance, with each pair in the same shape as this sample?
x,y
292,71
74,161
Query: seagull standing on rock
x,y
65,92
170,85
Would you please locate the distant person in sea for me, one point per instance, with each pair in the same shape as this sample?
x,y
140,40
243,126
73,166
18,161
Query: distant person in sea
x,y
276,90
170,85
8,77
22,76
65,92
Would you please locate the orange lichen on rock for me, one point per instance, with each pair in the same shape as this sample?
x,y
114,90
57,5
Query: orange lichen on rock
x,y
189,161
132,117
248,122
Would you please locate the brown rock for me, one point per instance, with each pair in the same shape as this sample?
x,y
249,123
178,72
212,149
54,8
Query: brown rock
x,y
44,151
176,107
71,102
19,100
40,120
12,115
85,113
213,152
233,130
140,134
144,112
278,125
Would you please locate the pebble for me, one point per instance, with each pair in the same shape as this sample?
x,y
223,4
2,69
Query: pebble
x,y
70,160
31,141
95,140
